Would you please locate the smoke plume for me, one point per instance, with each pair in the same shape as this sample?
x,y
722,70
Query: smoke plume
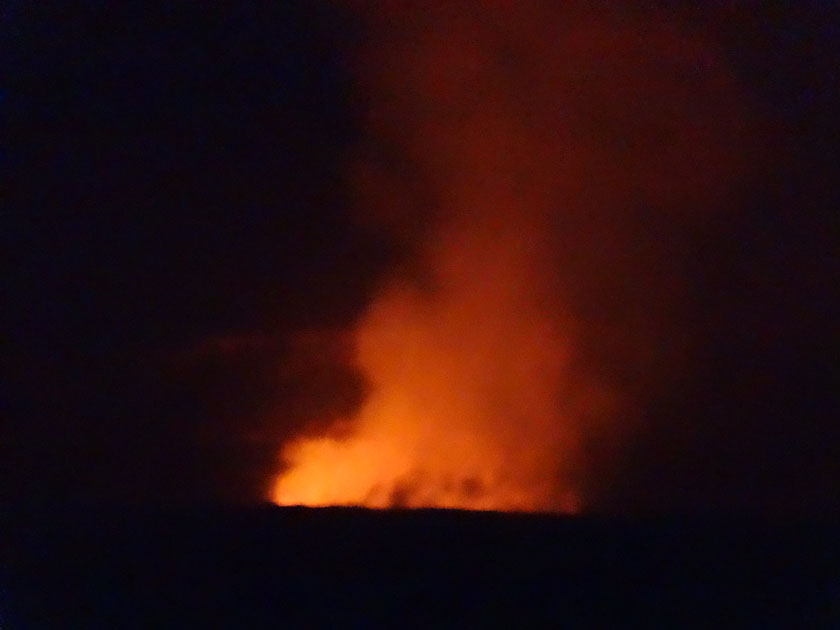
x,y
543,168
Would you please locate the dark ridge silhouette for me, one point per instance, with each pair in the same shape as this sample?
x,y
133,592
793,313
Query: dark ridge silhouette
x,y
343,567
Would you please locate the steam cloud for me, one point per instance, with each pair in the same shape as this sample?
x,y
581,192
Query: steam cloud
x,y
543,166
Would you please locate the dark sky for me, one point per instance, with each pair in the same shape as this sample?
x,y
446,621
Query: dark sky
x,y
176,215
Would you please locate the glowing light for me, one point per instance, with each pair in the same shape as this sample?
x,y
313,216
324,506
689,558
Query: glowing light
x,y
463,411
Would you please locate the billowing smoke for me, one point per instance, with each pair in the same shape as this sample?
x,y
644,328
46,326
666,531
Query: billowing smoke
x,y
544,168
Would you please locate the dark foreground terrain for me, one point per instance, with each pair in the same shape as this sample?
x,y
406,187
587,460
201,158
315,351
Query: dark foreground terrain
x,y
273,567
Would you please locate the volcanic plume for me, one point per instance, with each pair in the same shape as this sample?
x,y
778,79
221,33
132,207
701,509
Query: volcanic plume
x,y
542,168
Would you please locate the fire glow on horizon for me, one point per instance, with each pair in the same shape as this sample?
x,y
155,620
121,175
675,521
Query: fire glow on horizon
x,y
536,134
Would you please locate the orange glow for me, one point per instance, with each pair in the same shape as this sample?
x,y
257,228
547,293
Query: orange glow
x,y
464,381
544,155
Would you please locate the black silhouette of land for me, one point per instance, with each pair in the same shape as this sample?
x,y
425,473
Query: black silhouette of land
x,y
342,567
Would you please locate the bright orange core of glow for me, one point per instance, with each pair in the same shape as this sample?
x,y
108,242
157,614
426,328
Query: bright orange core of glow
x,y
463,409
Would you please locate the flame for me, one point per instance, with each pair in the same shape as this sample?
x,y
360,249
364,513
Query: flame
x,y
525,137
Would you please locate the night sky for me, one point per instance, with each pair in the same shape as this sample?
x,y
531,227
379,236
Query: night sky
x,y
179,233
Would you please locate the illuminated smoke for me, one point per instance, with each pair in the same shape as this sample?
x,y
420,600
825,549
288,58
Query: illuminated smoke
x,y
539,163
